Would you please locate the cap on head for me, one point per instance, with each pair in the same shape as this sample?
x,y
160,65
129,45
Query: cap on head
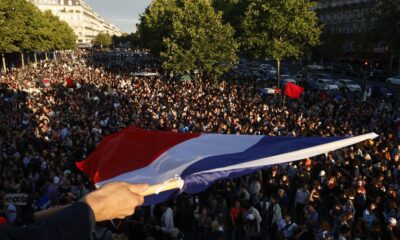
x,y
392,221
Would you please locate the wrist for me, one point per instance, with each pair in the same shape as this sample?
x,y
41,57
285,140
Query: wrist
x,y
92,201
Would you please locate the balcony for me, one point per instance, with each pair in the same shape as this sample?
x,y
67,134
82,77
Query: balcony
x,y
332,6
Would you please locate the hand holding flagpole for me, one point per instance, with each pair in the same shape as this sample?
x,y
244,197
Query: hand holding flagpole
x,y
96,204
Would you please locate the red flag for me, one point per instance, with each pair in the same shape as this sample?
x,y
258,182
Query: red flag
x,y
293,90
70,83
277,91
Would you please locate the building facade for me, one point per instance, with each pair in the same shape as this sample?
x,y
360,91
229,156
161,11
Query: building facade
x,y
85,22
347,18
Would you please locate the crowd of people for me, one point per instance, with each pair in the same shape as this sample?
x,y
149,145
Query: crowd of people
x,y
55,114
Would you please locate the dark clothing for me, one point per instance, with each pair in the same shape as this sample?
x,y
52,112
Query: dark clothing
x,y
75,222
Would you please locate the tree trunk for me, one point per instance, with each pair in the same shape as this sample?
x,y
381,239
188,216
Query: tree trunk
x,y
46,57
398,65
54,56
278,71
34,55
251,72
390,68
4,63
22,60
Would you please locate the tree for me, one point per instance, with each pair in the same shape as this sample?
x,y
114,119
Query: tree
x,y
53,34
121,40
279,29
386,26
156,24
192,36
23,28
68,37
103,40
13,29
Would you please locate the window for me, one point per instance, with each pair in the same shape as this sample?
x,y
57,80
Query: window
x,y
70,2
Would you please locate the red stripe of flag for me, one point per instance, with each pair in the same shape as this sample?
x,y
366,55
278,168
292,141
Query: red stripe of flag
x,y
130,149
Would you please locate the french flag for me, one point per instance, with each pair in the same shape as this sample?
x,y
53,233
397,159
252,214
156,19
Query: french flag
x,y
137,155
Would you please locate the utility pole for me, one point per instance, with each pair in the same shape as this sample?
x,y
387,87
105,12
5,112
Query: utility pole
x,y
4,63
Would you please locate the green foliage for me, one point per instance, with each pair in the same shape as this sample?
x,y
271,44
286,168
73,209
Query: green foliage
x,y
124,38
24,28
156,24
131,40
278,29
189,35
68,41
103,40
233,12
11,26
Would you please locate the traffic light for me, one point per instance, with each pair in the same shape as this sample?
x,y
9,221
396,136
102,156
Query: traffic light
x,y
365,65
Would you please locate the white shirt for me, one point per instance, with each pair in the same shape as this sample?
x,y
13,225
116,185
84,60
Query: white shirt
x,y
277,213
256,215
288,231
167,219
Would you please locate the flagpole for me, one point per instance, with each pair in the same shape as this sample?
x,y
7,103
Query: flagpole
x,y
284,99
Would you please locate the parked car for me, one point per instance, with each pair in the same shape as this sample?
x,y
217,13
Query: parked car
x,y
327,85
266,66
394,80
323,76
298,76
381,92
284,81
348,85
308,83
315,67
378,75
287,76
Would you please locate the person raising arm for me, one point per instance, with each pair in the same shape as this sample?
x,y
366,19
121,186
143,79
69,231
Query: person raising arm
x,y
113,200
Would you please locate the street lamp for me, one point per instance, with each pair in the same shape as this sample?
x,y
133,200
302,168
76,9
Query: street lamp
x,y
365,68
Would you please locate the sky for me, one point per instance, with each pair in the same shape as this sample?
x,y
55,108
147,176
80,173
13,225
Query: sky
x,y
122,13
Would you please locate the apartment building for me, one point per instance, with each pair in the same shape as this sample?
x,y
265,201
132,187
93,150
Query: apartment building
x,y
347,18
85,22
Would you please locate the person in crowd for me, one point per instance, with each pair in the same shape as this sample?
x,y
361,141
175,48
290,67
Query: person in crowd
x,y
302,197
47,126
287,226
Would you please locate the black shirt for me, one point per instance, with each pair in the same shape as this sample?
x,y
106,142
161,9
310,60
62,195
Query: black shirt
x,y
74,222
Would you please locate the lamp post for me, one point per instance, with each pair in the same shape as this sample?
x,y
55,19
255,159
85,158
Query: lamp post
x,y
4,63
365,68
